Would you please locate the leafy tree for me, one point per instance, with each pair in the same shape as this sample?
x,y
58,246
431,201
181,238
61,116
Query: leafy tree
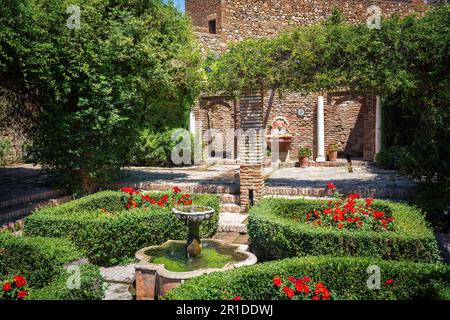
x,y
96,85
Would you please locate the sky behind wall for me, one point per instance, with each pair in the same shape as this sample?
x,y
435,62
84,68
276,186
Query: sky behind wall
x,y
179,4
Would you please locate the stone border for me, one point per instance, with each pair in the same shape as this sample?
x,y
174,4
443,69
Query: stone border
x,y
154,280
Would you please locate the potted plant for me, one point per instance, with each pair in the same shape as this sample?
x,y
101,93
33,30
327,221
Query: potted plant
x,y
303,155
332,152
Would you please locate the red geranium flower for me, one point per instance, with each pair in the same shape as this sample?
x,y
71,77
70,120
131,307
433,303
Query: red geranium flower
x,y
289,292
176,190
236,298
369,202
340,225
129,190
20,281
7,287
277,281
390,281
354,196
22,294
331,186
378,215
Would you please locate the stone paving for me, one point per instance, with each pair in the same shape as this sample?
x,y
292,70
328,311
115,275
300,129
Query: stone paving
x,y
118,280
368,181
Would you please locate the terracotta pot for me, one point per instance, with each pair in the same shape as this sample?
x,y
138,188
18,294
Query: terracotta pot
x,y
304,162
332,155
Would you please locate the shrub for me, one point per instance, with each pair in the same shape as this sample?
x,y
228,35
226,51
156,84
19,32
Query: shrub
x,y
5,147
391,158
91,287
155,148
112,240
39,259
345,277
278,231
434,200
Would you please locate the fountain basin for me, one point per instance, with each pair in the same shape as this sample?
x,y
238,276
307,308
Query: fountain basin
x,y
162,268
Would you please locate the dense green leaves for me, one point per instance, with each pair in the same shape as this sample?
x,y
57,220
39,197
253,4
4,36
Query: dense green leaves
x,y
39,259
91,287
346,278
278,231
96,86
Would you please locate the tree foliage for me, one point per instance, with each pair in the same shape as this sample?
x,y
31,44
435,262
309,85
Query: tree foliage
x,y
97,85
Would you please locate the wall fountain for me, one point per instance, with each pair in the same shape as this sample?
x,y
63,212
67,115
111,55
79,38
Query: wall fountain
x,y
162,268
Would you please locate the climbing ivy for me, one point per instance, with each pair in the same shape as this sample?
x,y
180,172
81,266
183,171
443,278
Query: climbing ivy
x,y
405,53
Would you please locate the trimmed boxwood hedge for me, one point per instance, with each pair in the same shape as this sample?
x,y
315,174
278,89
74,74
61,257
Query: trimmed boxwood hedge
x,y
40,260
91,287
345,277
277,231
112,240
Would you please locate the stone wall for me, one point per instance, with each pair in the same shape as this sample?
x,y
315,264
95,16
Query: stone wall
x,y
240,19
201,11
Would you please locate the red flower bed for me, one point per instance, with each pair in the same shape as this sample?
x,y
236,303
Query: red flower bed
x,y
301,289
351,213
135,200
14,289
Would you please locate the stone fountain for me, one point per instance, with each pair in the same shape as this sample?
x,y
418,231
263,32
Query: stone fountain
x,y
162,268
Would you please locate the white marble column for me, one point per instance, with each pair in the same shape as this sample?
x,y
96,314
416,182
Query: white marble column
x,y
320,130
378,120
192,122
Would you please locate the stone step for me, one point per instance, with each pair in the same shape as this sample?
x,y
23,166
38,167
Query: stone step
x,y
19,212
31,198
230,207
230,199
232,222
119,274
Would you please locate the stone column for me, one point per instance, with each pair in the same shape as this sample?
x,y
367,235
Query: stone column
x,y
251,143
192,122
378,124
320,130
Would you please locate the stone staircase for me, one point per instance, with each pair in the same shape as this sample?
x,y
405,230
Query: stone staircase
x,y
231,219
14,210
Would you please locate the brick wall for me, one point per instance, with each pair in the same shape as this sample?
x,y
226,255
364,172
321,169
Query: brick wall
x,y
349,121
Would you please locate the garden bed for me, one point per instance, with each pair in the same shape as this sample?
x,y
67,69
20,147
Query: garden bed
x,y
345,277
109,234
279,228
38,264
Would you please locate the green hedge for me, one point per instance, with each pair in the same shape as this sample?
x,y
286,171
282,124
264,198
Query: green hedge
x,y
113,240
345,277
40,260
277,231
91,287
